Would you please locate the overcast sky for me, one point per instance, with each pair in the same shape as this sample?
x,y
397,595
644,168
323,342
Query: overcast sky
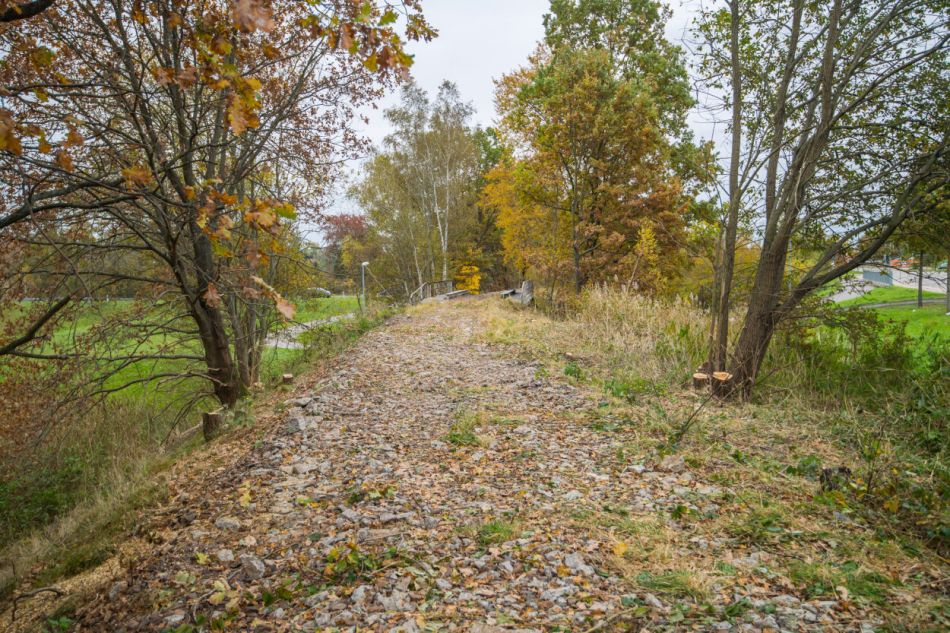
x,y
478,42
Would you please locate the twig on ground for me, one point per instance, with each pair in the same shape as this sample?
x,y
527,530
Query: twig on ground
x,y
29,594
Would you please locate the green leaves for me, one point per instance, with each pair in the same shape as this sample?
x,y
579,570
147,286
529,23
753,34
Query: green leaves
x,y
42,56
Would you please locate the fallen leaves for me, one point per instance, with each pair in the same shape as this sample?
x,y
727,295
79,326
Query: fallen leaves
x,y
382,521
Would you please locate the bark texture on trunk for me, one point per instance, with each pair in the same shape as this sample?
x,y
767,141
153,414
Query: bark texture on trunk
x,y
210,319
763,315
727,245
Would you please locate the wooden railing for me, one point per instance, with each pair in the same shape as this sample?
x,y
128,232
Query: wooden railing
x,y
431,289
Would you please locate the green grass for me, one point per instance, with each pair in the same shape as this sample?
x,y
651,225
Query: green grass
x,y
820,579
887,294
921,322
495,532
105,466
676,583
319,309
274,361
462,431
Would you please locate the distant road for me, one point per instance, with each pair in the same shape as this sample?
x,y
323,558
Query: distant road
x,y
933,281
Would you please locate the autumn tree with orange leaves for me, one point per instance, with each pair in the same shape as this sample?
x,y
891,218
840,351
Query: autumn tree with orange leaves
x,y
168,146
601,163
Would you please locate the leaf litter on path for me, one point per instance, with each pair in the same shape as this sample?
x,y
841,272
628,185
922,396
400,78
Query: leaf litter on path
x,y
360,513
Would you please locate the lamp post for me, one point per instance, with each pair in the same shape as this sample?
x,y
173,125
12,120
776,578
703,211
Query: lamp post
x,y
363,282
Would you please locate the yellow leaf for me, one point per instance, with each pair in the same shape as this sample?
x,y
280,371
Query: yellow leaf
x,y
201,559
221,45
137,176
240,116
620,548
42,56
245,499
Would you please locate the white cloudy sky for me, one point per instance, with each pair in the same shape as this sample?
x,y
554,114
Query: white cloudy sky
x,y
480,40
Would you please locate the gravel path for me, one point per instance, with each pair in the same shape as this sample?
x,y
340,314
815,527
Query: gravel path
x,y
362,512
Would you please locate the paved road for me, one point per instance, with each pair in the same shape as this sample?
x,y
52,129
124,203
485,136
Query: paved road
x,y
933,281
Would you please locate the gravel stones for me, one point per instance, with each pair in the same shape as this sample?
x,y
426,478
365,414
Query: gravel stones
x,y
253,567
227,523
672,464
361,473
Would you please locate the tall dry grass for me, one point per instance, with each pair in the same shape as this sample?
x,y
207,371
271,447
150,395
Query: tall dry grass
x,y
638,338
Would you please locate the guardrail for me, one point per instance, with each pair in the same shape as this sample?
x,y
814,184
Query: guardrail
x,y
431,289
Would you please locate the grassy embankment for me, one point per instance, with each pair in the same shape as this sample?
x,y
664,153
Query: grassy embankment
x,y
931,319
62,504
875,545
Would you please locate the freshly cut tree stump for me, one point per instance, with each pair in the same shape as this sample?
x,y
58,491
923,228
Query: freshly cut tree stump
x,y
287,378
722,383
212,424
700,380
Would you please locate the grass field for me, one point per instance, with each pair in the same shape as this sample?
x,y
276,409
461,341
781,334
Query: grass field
x,y
922,323
94,313
124,436
888,294
318,309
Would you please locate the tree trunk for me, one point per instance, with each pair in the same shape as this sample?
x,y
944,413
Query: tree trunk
x,y
212,331
700,380
578,277
757,332
947,289
761,318
212,424
225,379
727,251
920,281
